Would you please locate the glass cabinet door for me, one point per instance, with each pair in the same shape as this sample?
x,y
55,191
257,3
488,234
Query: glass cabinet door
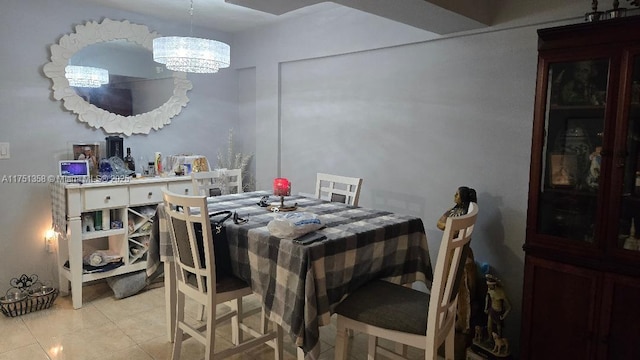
x,y
629,224
571,153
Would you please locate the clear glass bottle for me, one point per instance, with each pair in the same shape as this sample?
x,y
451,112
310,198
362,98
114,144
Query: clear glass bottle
x,y
142,164
129,162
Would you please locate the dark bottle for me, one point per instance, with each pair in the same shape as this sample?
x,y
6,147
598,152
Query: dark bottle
x,y
129,162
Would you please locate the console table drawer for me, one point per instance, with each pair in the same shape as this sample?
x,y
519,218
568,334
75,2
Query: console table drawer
x,y
181,188
101,198
145,194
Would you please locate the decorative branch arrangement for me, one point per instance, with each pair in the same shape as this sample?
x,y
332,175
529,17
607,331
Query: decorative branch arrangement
x,y
233,160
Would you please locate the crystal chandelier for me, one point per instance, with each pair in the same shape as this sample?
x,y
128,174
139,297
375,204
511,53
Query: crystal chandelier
x,y
86,76
189,54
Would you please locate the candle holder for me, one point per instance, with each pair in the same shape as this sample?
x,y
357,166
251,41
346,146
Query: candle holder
x,y
282,188
594,15
617,11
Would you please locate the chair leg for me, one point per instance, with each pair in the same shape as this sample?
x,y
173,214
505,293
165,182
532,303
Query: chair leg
x,y
299,353
236,332
449,344
178,333
401,349
431,352
264,323
278,341
210,336
279,355
342,339
371,348
170,296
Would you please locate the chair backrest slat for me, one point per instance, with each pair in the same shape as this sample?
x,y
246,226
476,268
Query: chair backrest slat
x,y
338,188
217,182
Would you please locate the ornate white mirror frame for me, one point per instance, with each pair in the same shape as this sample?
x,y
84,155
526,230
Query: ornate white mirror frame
x,y
92,33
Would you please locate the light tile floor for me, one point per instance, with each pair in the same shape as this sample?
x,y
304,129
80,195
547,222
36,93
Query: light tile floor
x,y
106,328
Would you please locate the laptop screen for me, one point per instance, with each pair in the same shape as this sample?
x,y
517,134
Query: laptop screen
x,y
74,168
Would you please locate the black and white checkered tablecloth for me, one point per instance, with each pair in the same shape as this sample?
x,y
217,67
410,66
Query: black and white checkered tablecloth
x,y
300,285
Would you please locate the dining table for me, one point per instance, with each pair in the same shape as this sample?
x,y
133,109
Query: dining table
x,y
301,281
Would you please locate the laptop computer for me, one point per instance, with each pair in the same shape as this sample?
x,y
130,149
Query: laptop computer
x,y
74,170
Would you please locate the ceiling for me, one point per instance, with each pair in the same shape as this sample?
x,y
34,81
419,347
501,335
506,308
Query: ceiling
x,y
438,16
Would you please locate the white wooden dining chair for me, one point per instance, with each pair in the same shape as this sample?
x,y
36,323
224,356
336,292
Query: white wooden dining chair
x,y
234,180
196,280
214,183
217,182
407,316
338,188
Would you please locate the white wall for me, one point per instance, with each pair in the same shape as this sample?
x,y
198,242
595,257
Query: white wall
x,y
418,121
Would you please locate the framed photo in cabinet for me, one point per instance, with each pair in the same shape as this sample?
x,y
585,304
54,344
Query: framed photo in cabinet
x,y
573,151
564,168
579,83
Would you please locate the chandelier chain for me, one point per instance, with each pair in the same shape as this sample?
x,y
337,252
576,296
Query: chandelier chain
x,y
191,19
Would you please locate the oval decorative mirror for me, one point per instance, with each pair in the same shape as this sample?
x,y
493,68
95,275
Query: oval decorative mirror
x,y
130,110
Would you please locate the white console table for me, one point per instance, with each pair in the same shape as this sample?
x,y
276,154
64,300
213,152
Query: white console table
x,y
128,202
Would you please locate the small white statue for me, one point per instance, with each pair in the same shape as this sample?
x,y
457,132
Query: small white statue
x,y
594,168
87,222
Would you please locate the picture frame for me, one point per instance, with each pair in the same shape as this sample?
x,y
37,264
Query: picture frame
x,y
564,170
186,164
578,137
579,83
87,151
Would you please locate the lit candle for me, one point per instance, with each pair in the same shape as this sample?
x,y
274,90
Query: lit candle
x,y
281,187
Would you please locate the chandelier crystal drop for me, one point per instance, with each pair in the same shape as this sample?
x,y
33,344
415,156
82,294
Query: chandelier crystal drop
x,y
189,54
86,76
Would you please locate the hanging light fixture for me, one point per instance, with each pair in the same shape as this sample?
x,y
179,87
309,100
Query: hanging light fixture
x,y
189,54
86,76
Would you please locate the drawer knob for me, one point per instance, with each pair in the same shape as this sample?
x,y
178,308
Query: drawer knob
x,y
107,198
150,193
186,191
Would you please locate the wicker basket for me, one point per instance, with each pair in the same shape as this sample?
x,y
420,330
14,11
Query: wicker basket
x,y
28,301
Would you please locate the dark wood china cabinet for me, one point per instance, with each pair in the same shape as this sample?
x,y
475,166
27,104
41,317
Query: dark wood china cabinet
x,y
581,295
